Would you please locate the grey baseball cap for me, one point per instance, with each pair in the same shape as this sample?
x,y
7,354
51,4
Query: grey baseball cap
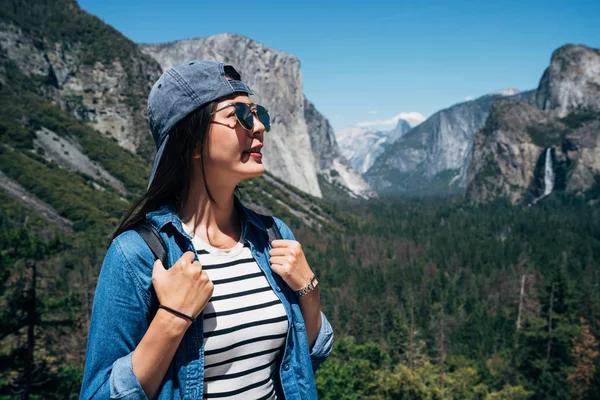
x,y
181,90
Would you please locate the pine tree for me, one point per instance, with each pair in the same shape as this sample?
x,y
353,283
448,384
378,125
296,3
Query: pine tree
x,y
584,352
544,358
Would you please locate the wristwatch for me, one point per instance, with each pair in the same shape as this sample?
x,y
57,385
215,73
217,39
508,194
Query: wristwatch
x,y
314,281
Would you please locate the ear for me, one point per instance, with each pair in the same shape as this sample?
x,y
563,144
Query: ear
x,y
196,153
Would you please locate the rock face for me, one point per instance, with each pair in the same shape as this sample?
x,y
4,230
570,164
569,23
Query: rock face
x,y
16,191
509,153
109,92
277,82
97,75
331,164
504,157
571,82
68,155
433,157
361,146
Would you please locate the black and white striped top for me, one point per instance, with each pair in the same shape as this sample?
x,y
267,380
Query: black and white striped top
x,y
245,325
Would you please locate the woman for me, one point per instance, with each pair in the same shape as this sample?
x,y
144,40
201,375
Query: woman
x,y
260,332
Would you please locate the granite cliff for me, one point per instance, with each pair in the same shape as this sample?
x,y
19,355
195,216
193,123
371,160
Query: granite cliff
x,y
95,74
361,146
559,135
301,144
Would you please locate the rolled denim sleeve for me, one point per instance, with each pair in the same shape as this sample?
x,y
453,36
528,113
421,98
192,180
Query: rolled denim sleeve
x,y
123,382
323,345
118,323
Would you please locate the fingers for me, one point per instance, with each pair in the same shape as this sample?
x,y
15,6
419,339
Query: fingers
x,y
185,260
282,260
281,243
158,268
190,266
280,251
195,271
188,257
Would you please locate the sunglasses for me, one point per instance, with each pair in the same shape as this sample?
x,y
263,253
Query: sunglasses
x,y
245,114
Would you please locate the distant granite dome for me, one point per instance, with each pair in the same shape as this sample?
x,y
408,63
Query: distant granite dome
x,y
508,92
571,82
361,146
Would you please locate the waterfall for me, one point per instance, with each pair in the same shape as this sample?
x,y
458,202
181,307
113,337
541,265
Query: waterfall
x,y
548,176
548,173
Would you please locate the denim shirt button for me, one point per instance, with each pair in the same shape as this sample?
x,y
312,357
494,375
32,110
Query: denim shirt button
x,y
286,367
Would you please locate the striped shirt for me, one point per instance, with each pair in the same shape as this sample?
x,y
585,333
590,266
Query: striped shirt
x,y
245,325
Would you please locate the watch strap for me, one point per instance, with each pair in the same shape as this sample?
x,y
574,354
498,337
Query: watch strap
x,y
314,281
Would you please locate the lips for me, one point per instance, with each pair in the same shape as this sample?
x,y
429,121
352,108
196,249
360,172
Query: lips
x,y
255,149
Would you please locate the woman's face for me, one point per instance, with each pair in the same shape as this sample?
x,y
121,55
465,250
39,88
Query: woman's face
x,y
232,153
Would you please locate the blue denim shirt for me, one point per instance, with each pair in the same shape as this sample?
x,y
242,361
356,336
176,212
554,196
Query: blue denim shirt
x,y
121,315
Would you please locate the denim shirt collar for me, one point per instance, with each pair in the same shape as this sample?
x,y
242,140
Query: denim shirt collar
x,y
167,214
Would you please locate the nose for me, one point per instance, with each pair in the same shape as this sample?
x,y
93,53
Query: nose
x,y
259,128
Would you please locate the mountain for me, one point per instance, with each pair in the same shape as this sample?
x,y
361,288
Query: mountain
x,y
332,167
432,158
301,144
361,146
95,74
75,143
526,151
83,66
571,82
358,144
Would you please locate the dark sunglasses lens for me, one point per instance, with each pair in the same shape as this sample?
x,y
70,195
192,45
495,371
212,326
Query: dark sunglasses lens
x,y
263,117
244,115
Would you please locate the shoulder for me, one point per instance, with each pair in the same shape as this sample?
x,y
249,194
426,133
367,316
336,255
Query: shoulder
x,y
128,263
131,249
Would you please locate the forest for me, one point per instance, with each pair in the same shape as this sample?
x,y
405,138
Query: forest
x,y
429,299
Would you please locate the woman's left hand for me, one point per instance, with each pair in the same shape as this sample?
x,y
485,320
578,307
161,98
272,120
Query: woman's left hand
x,y
288,261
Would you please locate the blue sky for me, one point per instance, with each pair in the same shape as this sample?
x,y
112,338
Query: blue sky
x,y
364,61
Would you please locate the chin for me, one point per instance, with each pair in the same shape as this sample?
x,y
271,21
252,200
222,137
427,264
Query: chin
x,y
253,174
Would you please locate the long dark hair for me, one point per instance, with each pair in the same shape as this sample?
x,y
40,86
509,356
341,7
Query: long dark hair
x,y
173,177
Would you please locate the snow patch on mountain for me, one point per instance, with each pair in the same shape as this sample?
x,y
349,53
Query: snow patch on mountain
x,y
361,146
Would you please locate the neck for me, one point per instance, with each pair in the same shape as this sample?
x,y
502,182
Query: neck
x,y
207,219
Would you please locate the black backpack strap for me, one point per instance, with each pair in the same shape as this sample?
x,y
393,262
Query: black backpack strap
x,y
154,241
272,229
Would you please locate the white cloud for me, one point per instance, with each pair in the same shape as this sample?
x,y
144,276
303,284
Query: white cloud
x,y
469,98
372,112
413,118
337,116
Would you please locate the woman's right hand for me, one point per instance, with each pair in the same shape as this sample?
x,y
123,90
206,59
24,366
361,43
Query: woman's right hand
x,y
185,287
